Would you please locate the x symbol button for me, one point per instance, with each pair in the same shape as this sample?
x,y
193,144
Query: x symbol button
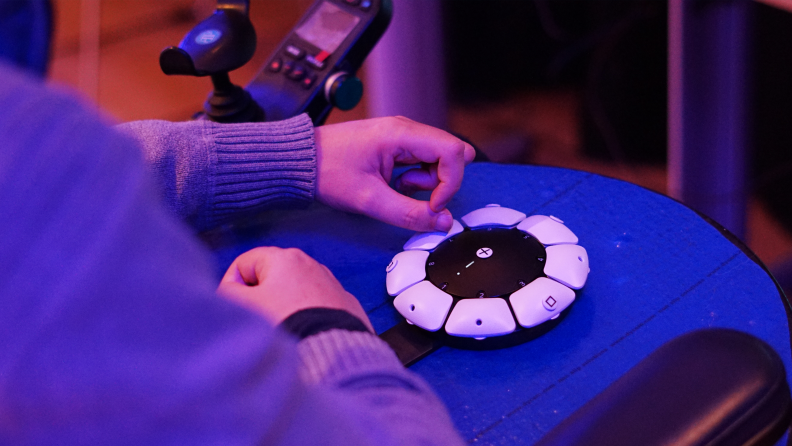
x,y
483,253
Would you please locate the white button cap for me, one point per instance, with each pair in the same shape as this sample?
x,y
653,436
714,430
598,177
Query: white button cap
x,y
567,264
408,268
540,301
424,305
548,230
429,240
480,318
493,215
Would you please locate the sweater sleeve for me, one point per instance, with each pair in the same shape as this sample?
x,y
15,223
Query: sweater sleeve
x,y
212,173
398,406
112,332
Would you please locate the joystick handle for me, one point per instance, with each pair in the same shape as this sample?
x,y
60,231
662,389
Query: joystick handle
x,y
222,42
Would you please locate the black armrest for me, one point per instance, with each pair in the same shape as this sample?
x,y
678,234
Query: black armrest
x,y
713,387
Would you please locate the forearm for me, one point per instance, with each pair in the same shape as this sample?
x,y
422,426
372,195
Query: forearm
x,y
211,173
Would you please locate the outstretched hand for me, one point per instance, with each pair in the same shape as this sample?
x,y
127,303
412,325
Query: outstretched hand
x,y
278,282
356,161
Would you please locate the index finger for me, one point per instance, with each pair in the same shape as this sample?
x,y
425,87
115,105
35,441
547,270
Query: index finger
x,y
448,154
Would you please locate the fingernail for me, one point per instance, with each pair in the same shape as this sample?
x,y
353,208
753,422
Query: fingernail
x,y
444,222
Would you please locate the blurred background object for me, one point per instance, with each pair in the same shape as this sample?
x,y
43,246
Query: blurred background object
x,y
574,84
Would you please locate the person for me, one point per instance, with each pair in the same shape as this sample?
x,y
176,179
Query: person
x,y
113,328
211,172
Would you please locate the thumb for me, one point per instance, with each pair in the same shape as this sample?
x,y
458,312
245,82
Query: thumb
x,y
398,210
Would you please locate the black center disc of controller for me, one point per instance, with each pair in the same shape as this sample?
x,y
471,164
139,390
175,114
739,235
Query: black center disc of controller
x,y
487,262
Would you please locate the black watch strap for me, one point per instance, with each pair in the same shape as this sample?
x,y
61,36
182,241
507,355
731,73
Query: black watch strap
x,y
409,342
313,321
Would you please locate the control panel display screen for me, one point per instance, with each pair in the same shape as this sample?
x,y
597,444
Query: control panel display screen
x,y
327,27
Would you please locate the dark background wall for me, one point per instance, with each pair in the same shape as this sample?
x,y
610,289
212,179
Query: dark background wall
x,y
614,53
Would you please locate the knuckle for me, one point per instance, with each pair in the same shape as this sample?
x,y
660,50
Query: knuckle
x,y
399,123
298,257
255,253
457,149
294,253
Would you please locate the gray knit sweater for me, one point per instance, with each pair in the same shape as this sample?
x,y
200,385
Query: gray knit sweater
x,y
211,173
110,329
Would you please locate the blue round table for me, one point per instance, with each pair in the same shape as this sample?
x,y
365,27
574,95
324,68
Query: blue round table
x,y
658,270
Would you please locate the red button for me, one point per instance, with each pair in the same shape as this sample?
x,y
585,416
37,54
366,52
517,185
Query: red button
x,y
275,65
308,81
297,73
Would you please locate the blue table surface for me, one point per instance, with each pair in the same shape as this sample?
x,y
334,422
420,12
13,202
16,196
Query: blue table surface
x,y
658,270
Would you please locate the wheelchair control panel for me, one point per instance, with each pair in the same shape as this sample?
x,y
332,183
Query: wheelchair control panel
x,y
311,71
314,67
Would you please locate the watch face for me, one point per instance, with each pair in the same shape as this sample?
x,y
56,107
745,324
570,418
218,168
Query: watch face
x,y
486,262
499,280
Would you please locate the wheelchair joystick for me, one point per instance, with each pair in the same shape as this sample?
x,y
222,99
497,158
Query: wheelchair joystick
x,y
223,42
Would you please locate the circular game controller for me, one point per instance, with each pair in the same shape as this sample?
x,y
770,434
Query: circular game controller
x,y
498,281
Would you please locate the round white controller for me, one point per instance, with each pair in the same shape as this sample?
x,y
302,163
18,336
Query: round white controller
x,y
499,274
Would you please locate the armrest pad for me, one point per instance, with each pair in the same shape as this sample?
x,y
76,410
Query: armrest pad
x,y
713,387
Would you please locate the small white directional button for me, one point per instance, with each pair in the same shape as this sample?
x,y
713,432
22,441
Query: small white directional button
x,y
391,265
483,253
493,215
424,305
567,264
409,268
548,230
429,240
540,301
480,318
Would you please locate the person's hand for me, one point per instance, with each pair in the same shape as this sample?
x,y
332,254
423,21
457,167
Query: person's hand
x,y
356,160
278,282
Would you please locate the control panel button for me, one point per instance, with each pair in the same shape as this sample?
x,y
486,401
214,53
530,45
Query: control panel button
x,y
493,215
294,52
288,66
567,264
540,301
409,268
314,62
297,72
548,230
480,318
308,81
429,240
424,305
275,65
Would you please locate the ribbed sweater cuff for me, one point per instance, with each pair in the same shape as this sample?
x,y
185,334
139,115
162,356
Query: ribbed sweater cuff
x,y
333,355
257,165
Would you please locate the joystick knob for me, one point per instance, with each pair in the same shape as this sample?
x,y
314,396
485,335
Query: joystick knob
x,y
343,90
222,42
